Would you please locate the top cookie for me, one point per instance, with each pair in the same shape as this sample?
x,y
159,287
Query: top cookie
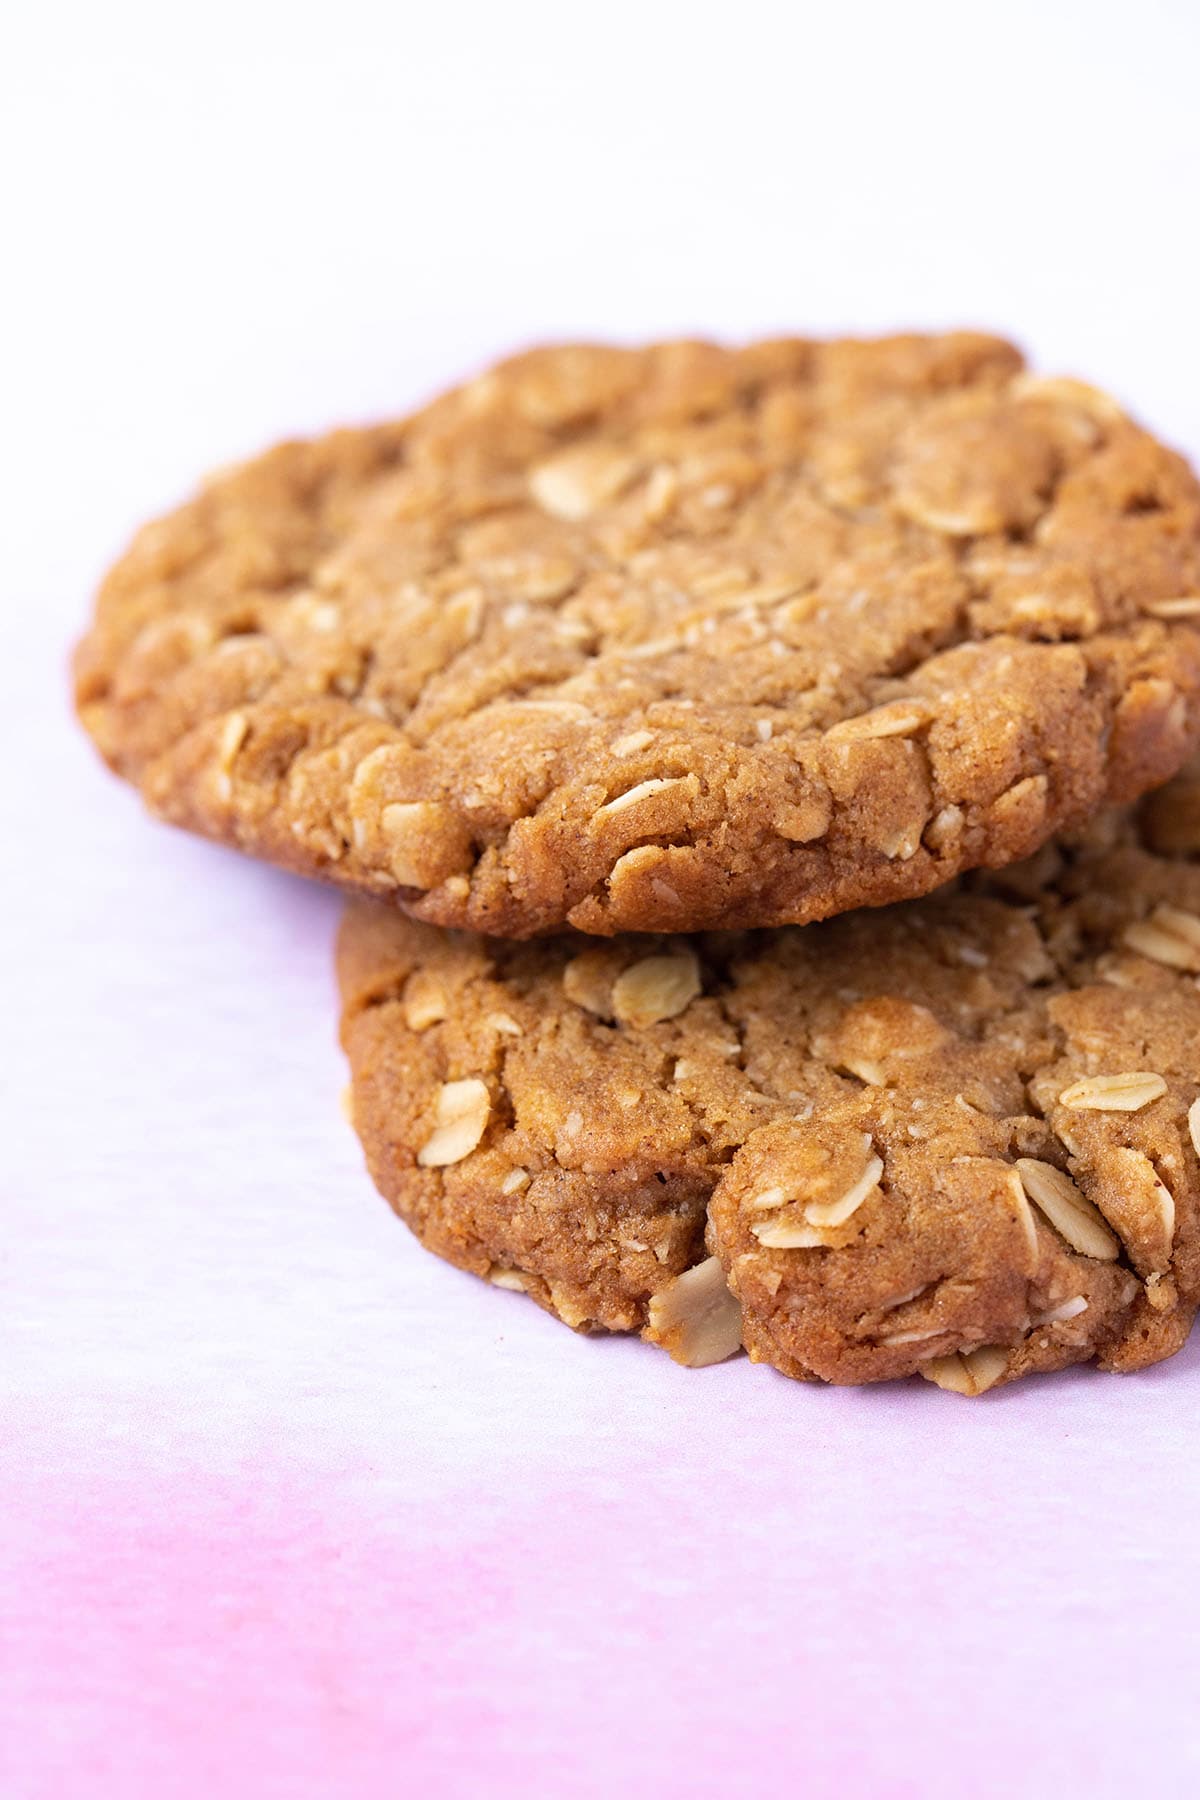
x,y
667,639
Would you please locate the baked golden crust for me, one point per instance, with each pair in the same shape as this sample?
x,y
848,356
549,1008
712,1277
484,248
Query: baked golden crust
x,y
667,639
957,1137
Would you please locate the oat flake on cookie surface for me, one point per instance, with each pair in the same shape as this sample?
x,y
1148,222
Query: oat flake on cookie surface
x,y
667,639
955,1138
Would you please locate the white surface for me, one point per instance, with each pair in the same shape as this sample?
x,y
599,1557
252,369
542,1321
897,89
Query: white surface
x,y
228,223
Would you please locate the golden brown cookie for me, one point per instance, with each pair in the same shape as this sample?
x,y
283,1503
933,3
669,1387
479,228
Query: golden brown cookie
x,y
667,639
957,1137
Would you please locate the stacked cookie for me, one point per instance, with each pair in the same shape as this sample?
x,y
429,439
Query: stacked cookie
x,y
604,679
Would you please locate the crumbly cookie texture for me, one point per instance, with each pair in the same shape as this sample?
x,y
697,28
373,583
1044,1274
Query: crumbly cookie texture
x,y
957,1138
667,639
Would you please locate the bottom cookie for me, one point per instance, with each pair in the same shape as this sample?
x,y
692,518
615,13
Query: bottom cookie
x,y
955,1138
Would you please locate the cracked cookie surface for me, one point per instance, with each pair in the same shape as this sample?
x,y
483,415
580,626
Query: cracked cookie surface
x,y
956,1138
667,639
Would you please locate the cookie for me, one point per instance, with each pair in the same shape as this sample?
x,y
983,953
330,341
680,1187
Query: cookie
x,y
956,1138
667,639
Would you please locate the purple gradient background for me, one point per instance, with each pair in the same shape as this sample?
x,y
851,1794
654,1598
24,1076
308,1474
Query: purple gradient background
x,y
291,1508
287,1508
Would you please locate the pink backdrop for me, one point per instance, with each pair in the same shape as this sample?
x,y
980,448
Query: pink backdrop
x,y
287,1509
292,1509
